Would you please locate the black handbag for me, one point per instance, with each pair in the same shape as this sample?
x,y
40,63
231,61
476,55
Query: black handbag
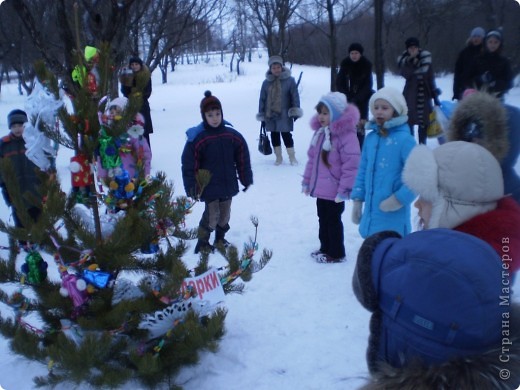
x,y
264,145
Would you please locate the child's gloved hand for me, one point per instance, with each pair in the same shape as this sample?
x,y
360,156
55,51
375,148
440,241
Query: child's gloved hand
x,y
356,212
305,189
340,198
390,204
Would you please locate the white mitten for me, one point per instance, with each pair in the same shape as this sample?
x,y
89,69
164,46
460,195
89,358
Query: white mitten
x,y
356,211
340,198
390,204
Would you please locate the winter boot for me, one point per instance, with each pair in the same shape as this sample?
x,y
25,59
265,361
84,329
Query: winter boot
x,y
292,157
278,154
220,241
203,244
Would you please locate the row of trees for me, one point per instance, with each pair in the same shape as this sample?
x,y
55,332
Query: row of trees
x,y
316,32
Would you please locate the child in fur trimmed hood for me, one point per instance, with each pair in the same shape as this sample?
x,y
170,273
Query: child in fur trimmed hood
x,y
331,170
378,182
437,321
482,118
460,187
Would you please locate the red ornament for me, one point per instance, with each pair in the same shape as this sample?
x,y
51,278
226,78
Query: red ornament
x,y
80,171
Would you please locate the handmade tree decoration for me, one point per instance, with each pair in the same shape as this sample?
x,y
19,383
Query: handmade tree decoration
x,y
120,304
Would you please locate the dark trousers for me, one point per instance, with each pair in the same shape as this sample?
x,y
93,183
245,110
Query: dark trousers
x,y
286,136
331,227
422,133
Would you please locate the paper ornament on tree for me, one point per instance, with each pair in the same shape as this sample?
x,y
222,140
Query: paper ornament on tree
x,y
75,288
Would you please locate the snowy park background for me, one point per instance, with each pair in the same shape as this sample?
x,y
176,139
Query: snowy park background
x,y
298,324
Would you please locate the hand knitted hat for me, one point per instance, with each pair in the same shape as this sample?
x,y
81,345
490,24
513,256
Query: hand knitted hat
x,y
209,103
392,96
275,60
477,32
495,33
336,103
356,47
16,117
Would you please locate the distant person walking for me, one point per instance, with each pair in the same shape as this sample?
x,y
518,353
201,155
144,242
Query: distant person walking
x,y
491,70
279,107
465,60
415,65
139,81
354,79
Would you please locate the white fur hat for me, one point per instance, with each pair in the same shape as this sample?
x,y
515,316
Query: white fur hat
x,y
336,103
392,96
460,179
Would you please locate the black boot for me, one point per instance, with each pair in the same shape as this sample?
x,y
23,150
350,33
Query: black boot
x,y
203,244
220,232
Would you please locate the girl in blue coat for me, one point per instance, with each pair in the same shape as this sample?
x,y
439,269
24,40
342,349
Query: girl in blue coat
x,y
378,182
331,170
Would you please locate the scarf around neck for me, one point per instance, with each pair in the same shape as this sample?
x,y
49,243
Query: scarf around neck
x,y
274,98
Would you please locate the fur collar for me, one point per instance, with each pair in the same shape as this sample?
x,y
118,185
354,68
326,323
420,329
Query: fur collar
x,y
388,125
286,73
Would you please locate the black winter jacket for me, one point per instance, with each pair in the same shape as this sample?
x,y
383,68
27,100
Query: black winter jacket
x,y
13,148
493,72
355,81
224,153
462,75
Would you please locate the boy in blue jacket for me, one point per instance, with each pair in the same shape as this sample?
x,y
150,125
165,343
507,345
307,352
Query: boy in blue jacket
x,y
215,146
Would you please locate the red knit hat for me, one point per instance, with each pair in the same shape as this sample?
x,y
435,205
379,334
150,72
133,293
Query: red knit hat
x,y
209,103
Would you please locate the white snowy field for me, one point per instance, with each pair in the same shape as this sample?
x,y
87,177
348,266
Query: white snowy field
x,y
298,324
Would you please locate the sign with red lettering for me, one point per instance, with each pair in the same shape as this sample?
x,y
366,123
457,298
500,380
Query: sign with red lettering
x,y
206,286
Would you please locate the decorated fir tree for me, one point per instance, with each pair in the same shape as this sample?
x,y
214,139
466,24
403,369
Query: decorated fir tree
x,y
103,295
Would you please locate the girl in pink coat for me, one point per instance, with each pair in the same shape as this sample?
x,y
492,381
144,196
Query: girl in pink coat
x,y
331,170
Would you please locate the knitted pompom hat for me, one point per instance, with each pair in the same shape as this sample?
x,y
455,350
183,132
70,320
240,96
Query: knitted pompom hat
x,y
209,103
392,96
336,103
16,116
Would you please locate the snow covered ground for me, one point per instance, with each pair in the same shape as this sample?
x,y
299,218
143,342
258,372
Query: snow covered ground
x,y
298,324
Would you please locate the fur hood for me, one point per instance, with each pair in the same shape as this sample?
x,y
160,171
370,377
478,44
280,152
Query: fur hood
x,y
460,179
481,118
345,123
286,73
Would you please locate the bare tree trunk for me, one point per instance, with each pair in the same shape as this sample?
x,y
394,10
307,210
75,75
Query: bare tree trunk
x,y
333,45
378,44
